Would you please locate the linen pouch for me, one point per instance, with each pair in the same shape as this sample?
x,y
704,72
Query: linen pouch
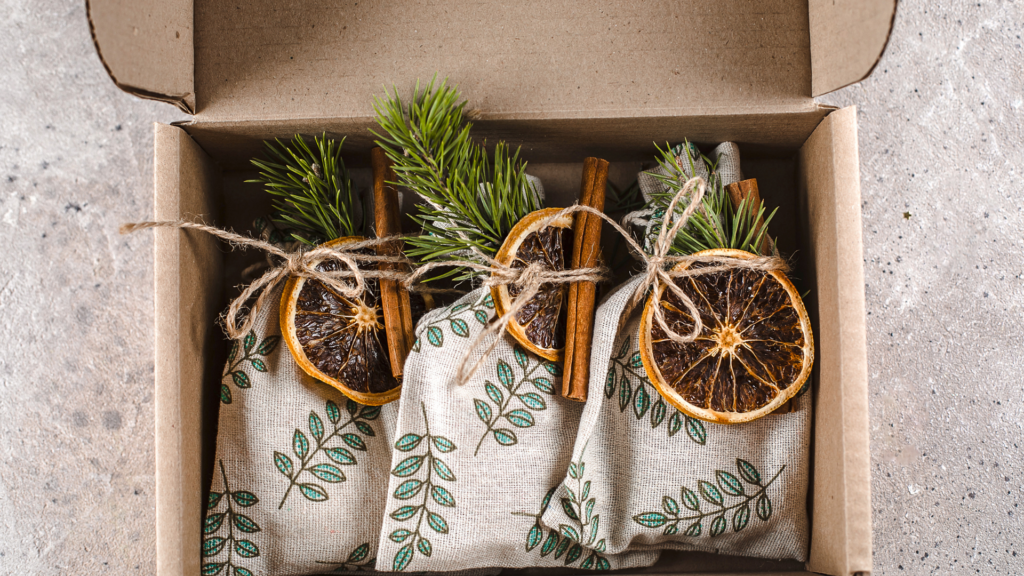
x,y
675,482
646,476
300,472
475,465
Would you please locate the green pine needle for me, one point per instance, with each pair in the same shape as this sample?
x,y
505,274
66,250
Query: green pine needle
x,y
312,189
473,201
716,224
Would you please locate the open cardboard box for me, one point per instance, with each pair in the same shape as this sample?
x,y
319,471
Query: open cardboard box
x,y
562,79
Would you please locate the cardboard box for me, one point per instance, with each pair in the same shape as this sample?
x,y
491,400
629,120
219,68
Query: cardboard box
x,y
562,79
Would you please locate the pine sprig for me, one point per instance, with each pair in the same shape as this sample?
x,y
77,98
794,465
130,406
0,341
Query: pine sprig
x,y
312,189
716,224
473,201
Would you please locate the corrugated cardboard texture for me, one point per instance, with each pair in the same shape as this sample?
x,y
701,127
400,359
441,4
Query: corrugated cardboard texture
x,y
829,178
268,60
614,139
146,47
188,298
847,39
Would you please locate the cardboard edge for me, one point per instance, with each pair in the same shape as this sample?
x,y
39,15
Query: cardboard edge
x,y
167,403
850,261
187,293
186,101
841,522
826,75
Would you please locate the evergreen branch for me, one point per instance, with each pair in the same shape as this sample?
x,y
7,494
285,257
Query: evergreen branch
x,y
472,199
312,188
715,224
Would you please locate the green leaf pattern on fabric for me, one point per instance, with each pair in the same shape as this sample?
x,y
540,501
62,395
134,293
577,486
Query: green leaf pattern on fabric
x,y
425,472
358,561
313,456
235,370
565,541
454,318
511,402
644,400
713,500
227,531
579,507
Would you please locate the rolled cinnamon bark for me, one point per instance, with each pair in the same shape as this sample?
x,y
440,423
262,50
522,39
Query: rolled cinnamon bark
x,y
398,325
583,295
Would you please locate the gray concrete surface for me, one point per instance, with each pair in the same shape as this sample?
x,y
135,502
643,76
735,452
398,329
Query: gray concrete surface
x,y
941,162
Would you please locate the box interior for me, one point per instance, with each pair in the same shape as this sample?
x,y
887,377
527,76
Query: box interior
x,y
803,224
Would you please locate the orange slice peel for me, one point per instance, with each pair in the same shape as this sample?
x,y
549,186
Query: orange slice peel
x,y
540,324
755,350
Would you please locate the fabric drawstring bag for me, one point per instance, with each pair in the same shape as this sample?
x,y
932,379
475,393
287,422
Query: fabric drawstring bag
x,y
300,470
475,466
673,482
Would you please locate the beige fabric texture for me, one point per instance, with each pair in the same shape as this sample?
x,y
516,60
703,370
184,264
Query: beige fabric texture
x,y
667,481
326,512
474,465
726,157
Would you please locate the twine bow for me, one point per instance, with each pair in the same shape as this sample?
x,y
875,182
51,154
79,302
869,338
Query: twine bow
x,y
660,266
530,279
302,263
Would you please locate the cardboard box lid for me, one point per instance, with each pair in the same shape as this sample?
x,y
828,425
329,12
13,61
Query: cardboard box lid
x,y
530,59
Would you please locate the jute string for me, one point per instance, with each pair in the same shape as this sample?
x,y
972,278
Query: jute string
x,y
660,268
658,265
530,279
349,282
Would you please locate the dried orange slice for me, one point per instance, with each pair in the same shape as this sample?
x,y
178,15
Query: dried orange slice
x,y
341,341
540,325
754,353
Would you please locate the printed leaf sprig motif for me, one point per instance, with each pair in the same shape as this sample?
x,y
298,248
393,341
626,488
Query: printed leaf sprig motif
x,y
557,544
640,398
579,506
455,319
215,543
689,512
251,353
499,408
426,488
358,561
306,452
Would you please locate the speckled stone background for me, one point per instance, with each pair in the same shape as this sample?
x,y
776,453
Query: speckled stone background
x,y
942,156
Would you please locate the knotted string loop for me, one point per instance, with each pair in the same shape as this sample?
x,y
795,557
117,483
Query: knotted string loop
x,y
350,281
529,279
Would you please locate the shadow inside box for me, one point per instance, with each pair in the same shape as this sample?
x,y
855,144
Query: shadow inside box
x,y
680,562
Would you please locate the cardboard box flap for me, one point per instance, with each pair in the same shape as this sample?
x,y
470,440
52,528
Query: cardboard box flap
x,y
532,59
848,38
146,47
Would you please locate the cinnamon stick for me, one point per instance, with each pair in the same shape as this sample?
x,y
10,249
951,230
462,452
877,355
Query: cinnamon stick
x,y
583,295
747,189
394,301
738,191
